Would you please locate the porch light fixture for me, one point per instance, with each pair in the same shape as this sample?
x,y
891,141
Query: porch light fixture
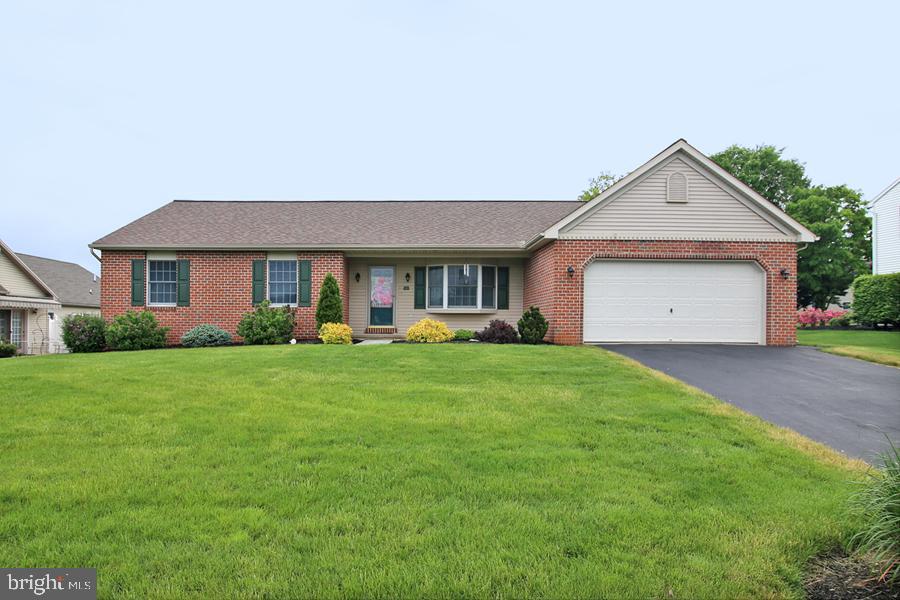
x,y
357,278
570,270
407,278
785,273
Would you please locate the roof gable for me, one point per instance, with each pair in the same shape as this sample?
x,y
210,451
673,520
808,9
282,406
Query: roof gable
x,y
703,210
885,193
18,278
780,224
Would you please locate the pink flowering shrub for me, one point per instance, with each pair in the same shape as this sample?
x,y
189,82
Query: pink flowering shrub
x,y
816,317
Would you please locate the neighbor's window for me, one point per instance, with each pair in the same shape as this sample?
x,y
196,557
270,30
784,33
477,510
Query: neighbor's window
x,y
283,282
462,286
162,277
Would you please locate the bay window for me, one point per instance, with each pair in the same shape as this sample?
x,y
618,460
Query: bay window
x,y
465,286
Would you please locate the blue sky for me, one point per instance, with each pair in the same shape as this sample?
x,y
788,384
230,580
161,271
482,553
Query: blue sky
x,y
111,109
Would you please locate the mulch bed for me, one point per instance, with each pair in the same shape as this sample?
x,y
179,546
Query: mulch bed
x,y
837,576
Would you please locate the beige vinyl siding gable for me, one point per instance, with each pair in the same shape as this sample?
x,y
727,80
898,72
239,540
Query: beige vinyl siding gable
x,y
16,281
642,212
405,313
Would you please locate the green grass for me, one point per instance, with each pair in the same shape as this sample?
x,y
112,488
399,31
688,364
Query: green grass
x,y
401,470
874,346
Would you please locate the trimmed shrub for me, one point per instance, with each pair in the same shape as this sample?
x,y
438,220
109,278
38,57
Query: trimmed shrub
x,y
84,333
329,306
844,320
877,504
335,333
267,325
876,299
135,331
429,331
533,326
498,332
7,349
203,336
463,335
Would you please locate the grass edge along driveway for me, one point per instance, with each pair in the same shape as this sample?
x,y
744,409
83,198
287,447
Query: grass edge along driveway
x,y
403,470
881,347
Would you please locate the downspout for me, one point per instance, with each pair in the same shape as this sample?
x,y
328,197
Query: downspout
x,y
94,254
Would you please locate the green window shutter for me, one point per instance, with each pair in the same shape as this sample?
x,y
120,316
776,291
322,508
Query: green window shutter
x,y
184,283
420,287
502,288
137,281
259,281
304,286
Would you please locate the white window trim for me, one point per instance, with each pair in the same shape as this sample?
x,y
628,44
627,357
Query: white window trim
x,y
444,308
159,258
269,260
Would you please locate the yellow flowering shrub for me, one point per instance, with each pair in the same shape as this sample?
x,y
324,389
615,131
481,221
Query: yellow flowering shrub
x,y
336,333
429,330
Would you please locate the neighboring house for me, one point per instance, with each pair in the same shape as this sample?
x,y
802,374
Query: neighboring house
x,y
26,303
677,251
76,288
885,211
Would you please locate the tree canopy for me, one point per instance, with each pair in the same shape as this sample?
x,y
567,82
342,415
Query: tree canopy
x,y
837,214
598,185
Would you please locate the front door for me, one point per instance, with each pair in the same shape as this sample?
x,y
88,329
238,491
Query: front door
x,y
381,296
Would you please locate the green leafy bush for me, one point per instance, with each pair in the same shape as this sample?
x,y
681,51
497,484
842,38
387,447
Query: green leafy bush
x,y
844,320
84,333
876,299
135,331
7,349
498,332
463,334
329,306
267,325
533,326
206,335
878,505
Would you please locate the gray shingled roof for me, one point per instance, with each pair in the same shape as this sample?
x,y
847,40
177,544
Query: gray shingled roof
x,y
264,224
73,284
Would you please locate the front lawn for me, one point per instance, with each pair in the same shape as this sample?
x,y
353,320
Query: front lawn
x,y
874,346
400,471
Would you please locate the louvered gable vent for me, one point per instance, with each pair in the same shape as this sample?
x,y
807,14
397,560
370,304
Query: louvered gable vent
x,y
677,188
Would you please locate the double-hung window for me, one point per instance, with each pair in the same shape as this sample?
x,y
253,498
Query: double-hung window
x,y
283,282
466,286
162,282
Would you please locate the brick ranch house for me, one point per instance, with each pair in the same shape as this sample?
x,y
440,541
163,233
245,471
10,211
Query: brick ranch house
x,y
677,251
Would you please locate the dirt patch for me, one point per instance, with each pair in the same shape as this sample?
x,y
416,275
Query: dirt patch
x,y
836,576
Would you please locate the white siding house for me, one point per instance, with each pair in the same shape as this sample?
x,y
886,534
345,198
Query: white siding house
x,y
885,211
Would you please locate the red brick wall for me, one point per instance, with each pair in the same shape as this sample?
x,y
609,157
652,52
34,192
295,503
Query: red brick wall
x,y
221,290
549,286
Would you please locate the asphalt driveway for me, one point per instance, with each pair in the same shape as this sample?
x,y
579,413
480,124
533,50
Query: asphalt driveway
x,y
846,403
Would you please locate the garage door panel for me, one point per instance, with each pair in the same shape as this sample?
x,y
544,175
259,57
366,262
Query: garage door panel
x,y
687,301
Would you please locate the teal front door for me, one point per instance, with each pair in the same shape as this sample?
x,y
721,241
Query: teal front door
x,y
381,296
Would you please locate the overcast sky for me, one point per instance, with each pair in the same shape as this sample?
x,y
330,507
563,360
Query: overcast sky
x,y
111,109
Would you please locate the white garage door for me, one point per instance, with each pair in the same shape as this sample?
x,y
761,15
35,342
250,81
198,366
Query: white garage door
x,y
678,301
